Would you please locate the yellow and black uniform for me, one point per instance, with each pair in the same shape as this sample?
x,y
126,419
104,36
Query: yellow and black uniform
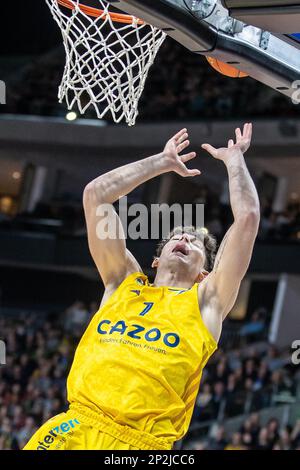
x,y
136,372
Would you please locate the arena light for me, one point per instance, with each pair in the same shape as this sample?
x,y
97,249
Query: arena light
x,y
71,116
16,175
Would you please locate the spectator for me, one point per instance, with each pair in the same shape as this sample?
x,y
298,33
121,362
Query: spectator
x,y
204,405
76,317
295,434
26,431
255,328
263,440
218,397
217,441
285,439
273,431
236,442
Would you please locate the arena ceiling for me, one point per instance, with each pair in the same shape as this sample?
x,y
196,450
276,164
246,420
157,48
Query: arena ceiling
x,y
31,31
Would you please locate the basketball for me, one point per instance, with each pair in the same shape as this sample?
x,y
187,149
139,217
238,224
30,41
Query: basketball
x,y
226,69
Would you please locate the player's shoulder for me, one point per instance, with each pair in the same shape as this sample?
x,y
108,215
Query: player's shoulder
x,y
131,277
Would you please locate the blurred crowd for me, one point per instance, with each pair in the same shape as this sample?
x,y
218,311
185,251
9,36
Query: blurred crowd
x,y
65,216
181,85
237,382
253,435
274,225
40,349
280,225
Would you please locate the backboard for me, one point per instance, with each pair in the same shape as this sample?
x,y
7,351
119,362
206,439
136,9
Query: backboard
x,y
206,27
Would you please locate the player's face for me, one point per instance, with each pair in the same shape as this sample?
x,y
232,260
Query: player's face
x,y
185,249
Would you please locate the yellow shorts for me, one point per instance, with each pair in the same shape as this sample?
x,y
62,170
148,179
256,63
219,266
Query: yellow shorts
x,y
83,429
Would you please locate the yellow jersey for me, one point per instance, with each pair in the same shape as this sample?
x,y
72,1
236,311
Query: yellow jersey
x,y
141,358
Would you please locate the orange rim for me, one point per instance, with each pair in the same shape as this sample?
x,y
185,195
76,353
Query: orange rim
x,y
97,13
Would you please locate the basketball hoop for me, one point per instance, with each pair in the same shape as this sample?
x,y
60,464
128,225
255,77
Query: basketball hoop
x,y
108,57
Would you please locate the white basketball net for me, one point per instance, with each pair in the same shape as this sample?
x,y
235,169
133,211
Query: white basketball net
x,y
107,63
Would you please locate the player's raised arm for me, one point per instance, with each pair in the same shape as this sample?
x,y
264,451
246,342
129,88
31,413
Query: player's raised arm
x,y
110,255
234,254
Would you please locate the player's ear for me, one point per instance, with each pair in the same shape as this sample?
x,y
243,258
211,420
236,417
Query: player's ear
x,y
155,263
202,275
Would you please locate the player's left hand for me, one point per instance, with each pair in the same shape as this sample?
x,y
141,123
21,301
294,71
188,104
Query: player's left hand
x,y
242,144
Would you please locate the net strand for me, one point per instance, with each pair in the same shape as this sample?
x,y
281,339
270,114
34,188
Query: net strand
x,y
107,63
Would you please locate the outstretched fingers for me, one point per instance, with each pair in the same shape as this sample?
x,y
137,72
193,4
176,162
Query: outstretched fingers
x,y
186,171
187,156
180,136
210,149
247,132
182,146
194,172
238,134
181,141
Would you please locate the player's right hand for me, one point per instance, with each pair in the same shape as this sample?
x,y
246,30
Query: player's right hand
x,y
176,162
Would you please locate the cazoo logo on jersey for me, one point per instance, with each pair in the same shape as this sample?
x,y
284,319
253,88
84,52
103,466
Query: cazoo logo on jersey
x,y
105,327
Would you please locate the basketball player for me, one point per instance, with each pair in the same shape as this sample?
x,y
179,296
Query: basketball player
x,y
137,369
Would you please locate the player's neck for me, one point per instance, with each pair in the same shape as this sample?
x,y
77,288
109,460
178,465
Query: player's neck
x,y
172,279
